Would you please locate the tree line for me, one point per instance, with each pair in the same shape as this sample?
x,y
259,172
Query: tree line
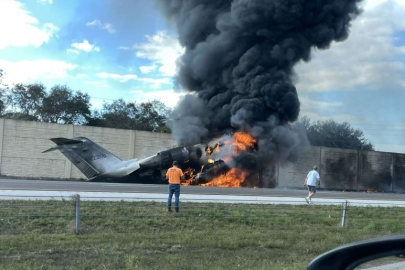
x,y
329,133
32,102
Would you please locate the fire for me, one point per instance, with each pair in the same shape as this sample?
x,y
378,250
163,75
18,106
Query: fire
x,y
233,178
208,151
226,150
189,174
243,141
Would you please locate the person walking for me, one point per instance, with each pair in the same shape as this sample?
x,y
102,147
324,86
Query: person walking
x,y
312,179
174,175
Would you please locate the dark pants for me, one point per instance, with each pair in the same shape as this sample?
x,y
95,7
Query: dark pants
x,y
174,188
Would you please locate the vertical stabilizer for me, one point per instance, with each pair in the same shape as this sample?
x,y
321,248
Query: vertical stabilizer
x,y
89,157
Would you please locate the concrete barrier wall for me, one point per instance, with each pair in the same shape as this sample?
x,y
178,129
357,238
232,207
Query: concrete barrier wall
x,y
344,169
398,184
376,171
339,168
21,144
294,174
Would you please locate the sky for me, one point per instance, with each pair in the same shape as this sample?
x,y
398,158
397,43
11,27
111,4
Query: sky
x,y
125,49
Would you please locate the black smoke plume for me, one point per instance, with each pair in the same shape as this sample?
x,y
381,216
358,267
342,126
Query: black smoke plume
x,y
238,65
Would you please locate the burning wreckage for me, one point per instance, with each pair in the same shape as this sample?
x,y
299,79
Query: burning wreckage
x,y
207,165
238,66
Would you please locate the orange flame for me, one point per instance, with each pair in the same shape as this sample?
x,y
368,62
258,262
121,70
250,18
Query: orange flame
x,y
233,178
189,174
243,141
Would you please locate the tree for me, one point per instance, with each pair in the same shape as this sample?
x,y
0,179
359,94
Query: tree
x,y
28,99
330,133
117,114
3,95
65,107
152,116
3,103
19,116
148,116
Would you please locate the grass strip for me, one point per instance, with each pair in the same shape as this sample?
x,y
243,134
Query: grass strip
x,y
143,235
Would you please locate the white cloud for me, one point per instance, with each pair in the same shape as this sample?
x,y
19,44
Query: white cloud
x,y
311,109
370,4
155,83
45,1
147,69
118,77
152,82
109,28
369,58
313,105
32,71
73,51
97,83
19,28
85,46
105,26
162,50
168,97
124,48
81,75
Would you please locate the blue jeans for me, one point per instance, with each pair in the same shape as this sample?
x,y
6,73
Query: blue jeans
x,y
174,188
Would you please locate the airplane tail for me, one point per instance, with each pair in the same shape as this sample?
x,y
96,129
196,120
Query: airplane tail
x,y
90,158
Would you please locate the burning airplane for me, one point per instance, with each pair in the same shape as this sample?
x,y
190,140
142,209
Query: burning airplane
x,y
208,165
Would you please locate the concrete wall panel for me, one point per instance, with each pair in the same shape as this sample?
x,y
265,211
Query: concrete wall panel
x,y
338,168
375,171
294,174
399,173
148,143
33,167
23,143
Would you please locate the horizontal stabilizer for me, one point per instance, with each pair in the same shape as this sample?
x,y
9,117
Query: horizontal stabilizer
x,y
50,149
62,141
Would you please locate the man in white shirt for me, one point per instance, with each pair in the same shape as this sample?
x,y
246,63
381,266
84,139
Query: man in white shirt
x,y
312,179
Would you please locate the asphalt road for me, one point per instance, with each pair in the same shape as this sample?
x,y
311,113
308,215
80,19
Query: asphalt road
x,y
39,185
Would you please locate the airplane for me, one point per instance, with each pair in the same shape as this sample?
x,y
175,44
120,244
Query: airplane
x,y
100,165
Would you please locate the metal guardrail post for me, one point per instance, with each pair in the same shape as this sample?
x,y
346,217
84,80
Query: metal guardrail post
x,y
344,214
77,213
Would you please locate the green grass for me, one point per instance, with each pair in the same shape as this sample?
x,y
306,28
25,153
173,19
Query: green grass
x,y
142,235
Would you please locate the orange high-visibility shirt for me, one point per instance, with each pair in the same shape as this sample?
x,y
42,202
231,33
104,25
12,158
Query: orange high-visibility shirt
x,y
174,174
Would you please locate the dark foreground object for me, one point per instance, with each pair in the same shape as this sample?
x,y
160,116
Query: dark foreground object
x,y
349,256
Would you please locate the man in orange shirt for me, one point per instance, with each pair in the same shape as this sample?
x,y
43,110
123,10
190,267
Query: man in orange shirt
x,y
174,175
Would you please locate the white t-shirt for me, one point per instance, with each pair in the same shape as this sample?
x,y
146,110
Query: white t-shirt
x,y
312,177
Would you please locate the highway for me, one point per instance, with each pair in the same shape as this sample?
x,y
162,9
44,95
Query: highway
x,y
79,186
